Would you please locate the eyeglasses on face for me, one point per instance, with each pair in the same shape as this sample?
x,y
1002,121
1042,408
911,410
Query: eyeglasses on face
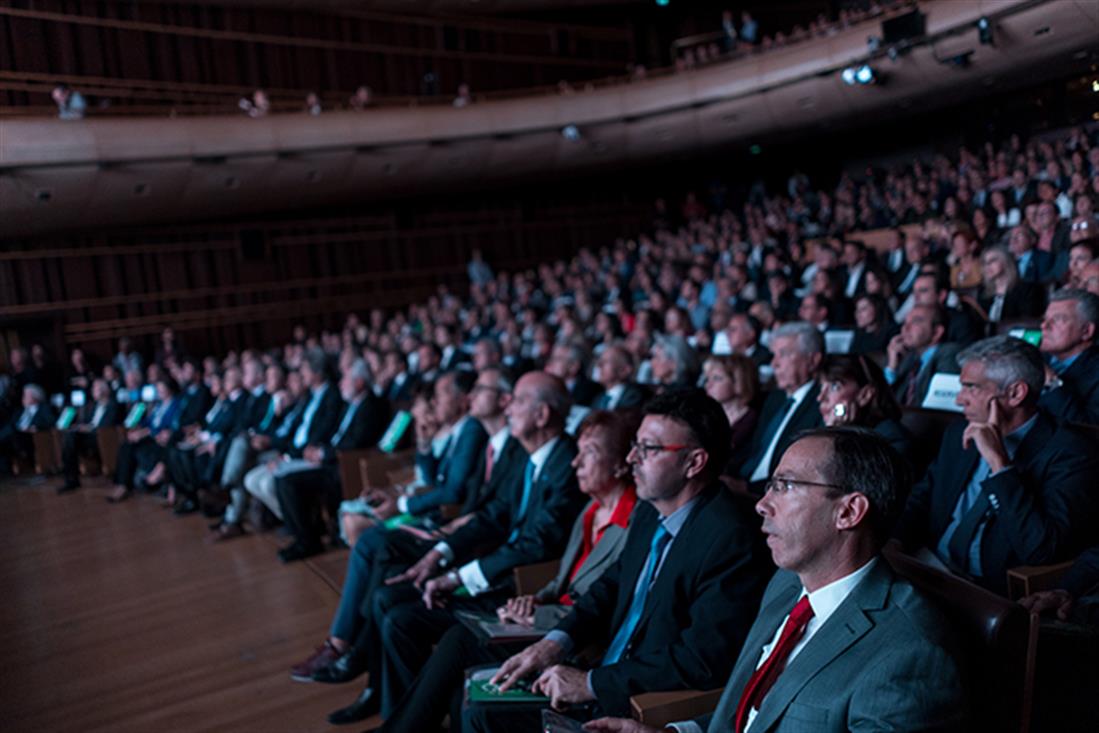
x,y
645,450
782,485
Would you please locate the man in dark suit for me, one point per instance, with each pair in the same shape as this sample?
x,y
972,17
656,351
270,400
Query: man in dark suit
x,y
841,642
916,252
194,461
302,493
80,439
568,362
528,523
615,366
500,467
963,324
196,397
319,419
674,609
1069,331
918,353
450,349
792,406
1034,265
447,475
743,333
1011,487
16,439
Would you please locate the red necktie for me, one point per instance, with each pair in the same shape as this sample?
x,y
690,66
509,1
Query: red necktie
x,y
766,674
488,462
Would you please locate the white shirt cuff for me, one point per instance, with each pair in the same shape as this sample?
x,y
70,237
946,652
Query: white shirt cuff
x,y
472,578
686,726
402,504
444,549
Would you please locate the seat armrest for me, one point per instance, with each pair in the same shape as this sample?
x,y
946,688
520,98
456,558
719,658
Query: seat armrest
x,y
660,708
529,579
1027,579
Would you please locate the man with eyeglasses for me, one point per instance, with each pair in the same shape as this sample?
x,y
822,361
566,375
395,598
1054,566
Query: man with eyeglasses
x,y
672,613
841,642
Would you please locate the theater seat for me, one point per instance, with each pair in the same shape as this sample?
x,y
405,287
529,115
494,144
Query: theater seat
x,y
927,428
1027,579
47,451
998,637
660,708
109,441
529,579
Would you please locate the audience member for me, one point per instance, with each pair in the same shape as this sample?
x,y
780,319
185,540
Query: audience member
x,y
918,353
1010,486
690,573
70,103
101,411
1069,332
858,629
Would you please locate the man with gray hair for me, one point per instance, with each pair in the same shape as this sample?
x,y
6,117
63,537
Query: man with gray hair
x,y
790,408
15,438
302,493
1069,330
1010,485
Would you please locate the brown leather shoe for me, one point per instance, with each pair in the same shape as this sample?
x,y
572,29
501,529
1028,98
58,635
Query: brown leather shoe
x,y
324,655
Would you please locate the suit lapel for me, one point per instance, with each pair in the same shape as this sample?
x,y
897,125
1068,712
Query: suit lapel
x,y
761,633
966,462
600,554
633,563
844,627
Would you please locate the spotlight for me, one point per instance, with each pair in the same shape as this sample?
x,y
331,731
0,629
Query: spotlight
x,y
848,76
1095,86
864,74
570,133
984,31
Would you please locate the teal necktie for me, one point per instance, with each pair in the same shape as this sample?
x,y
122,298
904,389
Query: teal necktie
x,y
641,593
528,481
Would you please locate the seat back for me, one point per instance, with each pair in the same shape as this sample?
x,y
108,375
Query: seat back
x,y
927,428
47,451
109,440
998,640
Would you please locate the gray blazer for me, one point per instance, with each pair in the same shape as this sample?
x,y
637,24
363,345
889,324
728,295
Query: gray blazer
x,y
882,661
602,556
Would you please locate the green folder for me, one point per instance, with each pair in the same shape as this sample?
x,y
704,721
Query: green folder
x,y
398,521
134,418
480,690
396,430
66,419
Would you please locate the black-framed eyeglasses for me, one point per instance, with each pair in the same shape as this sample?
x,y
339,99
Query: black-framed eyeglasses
x,y
644,450
779,485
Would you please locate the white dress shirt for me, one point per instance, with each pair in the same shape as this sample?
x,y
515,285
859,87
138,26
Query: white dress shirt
x,y
763,468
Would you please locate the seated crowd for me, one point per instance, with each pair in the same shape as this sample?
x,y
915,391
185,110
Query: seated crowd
x,y
671,419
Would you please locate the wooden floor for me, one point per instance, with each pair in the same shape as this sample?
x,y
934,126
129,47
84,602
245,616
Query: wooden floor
x,y
120,618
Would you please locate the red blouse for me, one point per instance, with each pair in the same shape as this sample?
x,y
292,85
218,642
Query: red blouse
x,y
623,508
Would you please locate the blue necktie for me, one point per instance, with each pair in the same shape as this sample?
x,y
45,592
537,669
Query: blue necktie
x,y
528,480
301,437
345,423
640,594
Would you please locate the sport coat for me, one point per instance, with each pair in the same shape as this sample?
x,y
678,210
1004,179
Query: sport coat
x,y
325,420
555,500
111,416
1077,399
806,416
366,428
507,468
882,661
449,475
603,555
195,405
1042,509
255,409
697,612
584,391
944,361
633,394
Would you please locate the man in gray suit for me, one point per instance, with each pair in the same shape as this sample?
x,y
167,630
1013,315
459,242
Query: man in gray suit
x,y
841,642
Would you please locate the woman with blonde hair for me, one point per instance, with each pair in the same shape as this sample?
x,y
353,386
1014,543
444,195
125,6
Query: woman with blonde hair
x,y
1003,295
733,381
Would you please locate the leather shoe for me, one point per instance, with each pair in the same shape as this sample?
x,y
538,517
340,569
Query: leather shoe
x,y
365,705
185,505
225,531
298,551
323,656
344,669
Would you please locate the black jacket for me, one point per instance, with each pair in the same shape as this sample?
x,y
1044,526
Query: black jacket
x,y
1042,509
366,428
325,420
195,405
543,530
806,416
584,391
697,613
1077,399
507,469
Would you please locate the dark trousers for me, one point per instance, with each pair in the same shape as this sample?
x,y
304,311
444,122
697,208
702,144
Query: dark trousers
x,y
437,689
132,457
302,495
75,444
497,718
408,631
189,471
